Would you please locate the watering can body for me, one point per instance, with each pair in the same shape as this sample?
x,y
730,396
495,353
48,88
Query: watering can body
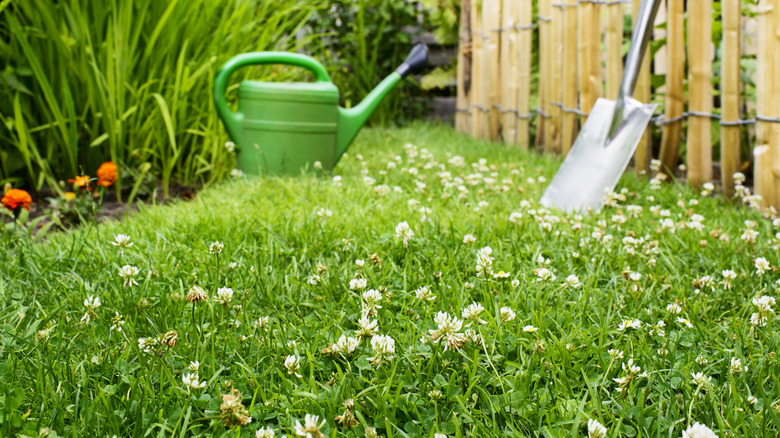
x,y
282,128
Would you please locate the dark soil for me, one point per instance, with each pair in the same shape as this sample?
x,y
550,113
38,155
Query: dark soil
x,y
111,208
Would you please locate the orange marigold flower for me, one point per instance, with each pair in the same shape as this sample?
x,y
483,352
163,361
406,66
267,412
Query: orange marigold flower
x,y
15,198
106,174
80,181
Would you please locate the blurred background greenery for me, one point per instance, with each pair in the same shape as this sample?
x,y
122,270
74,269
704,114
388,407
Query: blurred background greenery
x,y
84,81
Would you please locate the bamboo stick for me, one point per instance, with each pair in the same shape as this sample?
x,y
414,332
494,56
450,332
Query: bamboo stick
x,y
699,136
462,108
729,137
492,22
614,49
477,73
524,86
590,63
569,84
670,139
509,59
642,94
545,60
766,178
555,95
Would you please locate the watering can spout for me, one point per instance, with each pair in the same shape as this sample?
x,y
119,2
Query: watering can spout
x,y
350,120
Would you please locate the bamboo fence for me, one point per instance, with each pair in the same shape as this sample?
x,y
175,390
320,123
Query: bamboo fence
x,y
580,46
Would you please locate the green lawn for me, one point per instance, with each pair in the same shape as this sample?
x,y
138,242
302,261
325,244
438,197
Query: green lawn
x,y
547,347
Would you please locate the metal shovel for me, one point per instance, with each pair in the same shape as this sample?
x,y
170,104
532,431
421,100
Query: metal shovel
x,y
609,137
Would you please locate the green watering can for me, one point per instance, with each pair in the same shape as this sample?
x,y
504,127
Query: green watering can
x,y
281,128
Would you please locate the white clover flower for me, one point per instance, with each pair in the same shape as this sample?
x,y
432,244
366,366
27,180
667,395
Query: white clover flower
x,y
192,381
484,262
360,263
544,274
403,232
224,296
230,146
752,400
117,322
128,273
468,239
530,329
345,345
761,265
735,366
261,322
311,427
194,366
629,323
615,354
632,372
423,293
701,360
324,213
573,282
507,314
596,429
728,277
216,248
749,236
358,284
515,283
91,302
293,364
449,330
367,327
384,349
658,328
122,241
764,303
515,217
266,432
314,279
674,308
472,312
700,380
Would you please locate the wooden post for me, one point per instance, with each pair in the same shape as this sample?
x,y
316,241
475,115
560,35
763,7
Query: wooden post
x,y
590,63
642,94
699,136
478,102
729,83
675,74
766,178
492,22
614,49
509,70
553,133
545,62
524,89
462,108
569,84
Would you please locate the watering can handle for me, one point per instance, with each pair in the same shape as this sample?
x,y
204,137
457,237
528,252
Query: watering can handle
x,y
233,120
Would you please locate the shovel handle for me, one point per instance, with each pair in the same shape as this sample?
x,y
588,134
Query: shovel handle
x,y
639,40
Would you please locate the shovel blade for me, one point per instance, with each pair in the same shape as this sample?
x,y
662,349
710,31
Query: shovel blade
x,y
595,163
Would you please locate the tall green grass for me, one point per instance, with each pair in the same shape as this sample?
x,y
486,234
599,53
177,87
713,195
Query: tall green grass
x,y
88,81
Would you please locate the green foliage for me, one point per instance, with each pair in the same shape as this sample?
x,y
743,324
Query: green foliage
x,y
118,368
443,16
90,81
362,42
